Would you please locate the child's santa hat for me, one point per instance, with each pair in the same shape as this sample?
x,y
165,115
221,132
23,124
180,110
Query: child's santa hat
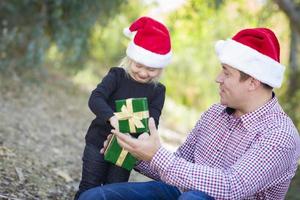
x,y
255,52
151,45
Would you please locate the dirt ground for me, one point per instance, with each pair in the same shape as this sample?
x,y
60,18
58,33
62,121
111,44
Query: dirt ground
x,y
42,129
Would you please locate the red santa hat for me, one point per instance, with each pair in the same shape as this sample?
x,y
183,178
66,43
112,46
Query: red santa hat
x,y
255,52
151,45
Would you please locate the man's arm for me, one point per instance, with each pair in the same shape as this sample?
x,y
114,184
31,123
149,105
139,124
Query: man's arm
x,y
262,165
143,167
186,151
259,168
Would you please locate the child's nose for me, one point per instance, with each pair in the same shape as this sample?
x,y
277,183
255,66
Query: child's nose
x,y
143,73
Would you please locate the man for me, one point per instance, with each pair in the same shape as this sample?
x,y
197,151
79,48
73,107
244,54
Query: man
x,y
246,147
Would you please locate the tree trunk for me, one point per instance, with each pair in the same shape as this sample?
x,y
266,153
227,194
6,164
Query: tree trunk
x,y
292,9
293,89
294,82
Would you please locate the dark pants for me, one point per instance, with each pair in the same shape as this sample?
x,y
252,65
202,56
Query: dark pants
x,y
96,171
152,190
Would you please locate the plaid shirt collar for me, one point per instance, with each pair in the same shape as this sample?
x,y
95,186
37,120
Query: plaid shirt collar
x,y
250,119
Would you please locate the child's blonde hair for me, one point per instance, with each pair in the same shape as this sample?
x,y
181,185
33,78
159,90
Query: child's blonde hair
x,y
126,64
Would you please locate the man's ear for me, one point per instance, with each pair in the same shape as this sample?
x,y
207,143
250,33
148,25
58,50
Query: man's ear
x,y
253,84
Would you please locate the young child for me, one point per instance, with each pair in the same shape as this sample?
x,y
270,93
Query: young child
x,y
147,54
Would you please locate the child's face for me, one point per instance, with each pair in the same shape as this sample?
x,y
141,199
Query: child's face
x,y
142,73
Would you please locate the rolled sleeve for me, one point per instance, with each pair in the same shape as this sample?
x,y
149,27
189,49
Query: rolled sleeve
x,y
162,160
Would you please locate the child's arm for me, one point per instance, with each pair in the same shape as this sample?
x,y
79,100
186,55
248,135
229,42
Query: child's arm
x,y
98,99
114,122
156,103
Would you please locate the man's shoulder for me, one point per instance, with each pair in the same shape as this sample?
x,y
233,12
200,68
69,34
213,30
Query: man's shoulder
x,y
277,118
279,129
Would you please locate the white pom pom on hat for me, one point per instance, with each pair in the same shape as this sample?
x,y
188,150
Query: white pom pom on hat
x,y
127,32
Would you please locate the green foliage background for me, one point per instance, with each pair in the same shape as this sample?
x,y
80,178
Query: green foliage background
x,y
31,27
196,28
83,39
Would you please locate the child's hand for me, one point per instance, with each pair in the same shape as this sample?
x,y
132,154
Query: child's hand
x,y
114,122
105,144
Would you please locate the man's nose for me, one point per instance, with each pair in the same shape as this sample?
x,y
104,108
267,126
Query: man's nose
x,y
219,78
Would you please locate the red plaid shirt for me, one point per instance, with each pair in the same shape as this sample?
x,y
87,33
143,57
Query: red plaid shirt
x,y
250,157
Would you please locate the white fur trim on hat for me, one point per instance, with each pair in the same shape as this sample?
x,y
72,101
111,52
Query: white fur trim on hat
x,y
146,57
250,61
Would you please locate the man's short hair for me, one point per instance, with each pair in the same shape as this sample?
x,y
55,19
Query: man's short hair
x,y
244,76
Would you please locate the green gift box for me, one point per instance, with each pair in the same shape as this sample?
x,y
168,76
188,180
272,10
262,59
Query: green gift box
x,y
133,118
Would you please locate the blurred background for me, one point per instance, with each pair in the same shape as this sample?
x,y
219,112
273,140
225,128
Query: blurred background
x,y
54,52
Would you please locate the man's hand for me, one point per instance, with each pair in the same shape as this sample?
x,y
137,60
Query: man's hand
x,y
105,144
143,148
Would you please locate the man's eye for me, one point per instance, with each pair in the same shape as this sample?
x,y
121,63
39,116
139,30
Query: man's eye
x,y
226,73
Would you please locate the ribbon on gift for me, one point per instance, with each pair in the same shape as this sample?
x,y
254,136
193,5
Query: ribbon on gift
x,y
121,158
122,155
134,118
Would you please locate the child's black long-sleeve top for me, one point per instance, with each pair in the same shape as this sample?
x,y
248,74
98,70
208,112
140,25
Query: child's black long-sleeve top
x,y
119,85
